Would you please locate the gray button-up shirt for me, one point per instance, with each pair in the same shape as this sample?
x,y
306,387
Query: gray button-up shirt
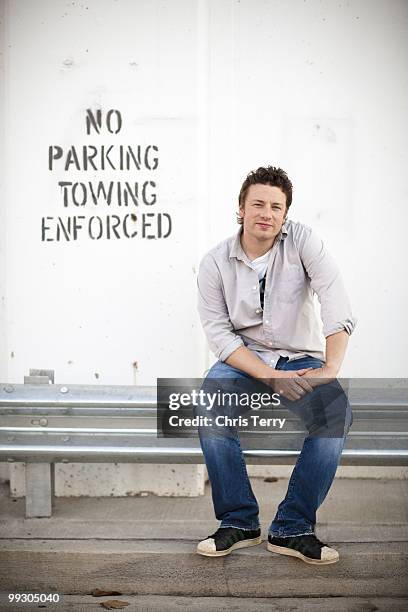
x,y
289,325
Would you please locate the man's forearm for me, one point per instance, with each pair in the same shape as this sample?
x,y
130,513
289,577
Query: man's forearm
x,y
336,345
246,360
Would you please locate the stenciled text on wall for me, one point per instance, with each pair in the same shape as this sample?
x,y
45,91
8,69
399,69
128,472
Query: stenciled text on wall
x,y
99,209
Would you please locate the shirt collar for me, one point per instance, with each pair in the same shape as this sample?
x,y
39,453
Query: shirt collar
x,y
236,249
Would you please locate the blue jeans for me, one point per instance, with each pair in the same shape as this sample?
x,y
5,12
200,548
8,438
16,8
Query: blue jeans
x,y
234,502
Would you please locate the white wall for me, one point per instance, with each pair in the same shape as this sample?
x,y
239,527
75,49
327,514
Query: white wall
x,y
3,265
92,308
220,87
320,89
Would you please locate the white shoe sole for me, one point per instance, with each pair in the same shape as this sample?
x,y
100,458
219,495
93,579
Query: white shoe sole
x,y
282,550
227,551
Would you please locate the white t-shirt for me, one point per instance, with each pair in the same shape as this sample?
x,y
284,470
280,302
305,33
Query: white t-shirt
x,y
261,263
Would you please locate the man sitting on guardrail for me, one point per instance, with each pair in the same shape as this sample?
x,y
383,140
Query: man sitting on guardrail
x,y
255,301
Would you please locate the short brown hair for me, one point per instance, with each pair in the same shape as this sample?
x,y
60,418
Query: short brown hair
x,y
276,177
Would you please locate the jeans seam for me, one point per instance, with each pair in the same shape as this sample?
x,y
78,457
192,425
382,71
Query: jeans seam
x,y
292,480
289,497
244,473
243,528
291,535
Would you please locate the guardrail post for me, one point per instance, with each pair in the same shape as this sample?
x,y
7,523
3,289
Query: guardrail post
x,y
39,477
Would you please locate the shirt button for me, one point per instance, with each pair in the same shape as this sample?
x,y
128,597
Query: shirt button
x,y
258,310
267,322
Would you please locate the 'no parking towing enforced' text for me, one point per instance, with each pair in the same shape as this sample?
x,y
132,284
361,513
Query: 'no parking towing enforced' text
x,y
129,205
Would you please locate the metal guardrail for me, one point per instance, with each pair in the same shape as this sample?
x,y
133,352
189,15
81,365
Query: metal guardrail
x,y
42,423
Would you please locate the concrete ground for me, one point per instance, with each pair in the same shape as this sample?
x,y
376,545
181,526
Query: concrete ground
x,y
144,549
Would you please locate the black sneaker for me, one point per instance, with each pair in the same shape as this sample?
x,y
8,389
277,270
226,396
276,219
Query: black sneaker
x,y
306,547
227,539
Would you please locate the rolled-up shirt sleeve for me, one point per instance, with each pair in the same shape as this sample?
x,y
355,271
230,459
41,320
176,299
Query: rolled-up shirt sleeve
x,y
213,311
327,283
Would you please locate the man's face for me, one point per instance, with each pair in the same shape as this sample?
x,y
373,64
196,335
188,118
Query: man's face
x,y
263,212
